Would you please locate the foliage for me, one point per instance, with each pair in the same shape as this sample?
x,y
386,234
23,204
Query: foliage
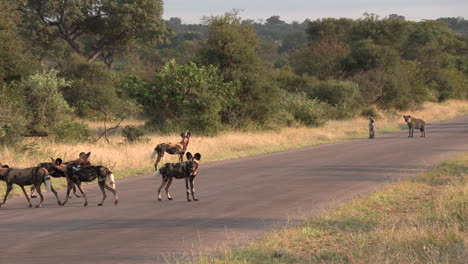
x,y
133,133
71,132
297,108
15,57
13,115
96,29
343,96
232,47
92,87
185,96
44,100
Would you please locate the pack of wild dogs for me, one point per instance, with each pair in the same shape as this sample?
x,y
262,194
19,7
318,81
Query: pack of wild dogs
x,y
80,170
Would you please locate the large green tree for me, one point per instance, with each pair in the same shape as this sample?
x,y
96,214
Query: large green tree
x,y
97,28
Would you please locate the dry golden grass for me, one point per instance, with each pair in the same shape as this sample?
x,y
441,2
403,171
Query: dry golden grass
x,y
136,157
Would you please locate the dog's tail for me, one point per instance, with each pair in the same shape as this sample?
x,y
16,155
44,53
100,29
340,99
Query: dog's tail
x,y
154,153
47,183
157,173
110,180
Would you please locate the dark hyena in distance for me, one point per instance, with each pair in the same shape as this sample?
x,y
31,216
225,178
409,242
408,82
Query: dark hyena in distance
x,y
183,170
29,176
415,123
77,175
371,127
172,148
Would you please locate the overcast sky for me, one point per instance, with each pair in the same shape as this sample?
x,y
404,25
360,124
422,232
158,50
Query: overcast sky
x,y
191,11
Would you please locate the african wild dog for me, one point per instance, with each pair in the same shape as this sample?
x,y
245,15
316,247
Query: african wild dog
x,y
172,148
415,123
77,175
35,176
183,170
371,127
82,161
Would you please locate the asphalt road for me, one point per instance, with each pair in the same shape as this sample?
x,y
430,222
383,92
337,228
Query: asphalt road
x,y
240,200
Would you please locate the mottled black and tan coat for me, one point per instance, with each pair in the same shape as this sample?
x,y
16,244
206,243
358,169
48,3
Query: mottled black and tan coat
x,y
183,170
172,148
77,175
23,177
414,123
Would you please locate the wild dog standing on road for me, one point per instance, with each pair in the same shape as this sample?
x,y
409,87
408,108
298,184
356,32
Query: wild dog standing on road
x,y
82,161
104,175
371,127
35,176
183,170
415,123
172,148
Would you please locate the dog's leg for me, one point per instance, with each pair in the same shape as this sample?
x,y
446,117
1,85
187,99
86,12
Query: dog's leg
x,y
8,190
104,195
188,190
192,180
75,193
33,192
38,189
113,191
167,188
160,187
56,195
69,187
26,195
82,194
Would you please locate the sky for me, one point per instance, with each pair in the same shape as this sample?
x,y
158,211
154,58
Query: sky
x,y
191,11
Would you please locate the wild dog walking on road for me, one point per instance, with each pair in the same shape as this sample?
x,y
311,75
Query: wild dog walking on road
x,y
82,161
77,175
30,176
371,127
183,170
415,123
172,148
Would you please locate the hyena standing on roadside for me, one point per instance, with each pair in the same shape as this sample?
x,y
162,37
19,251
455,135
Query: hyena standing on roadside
x,y
371,127
415,123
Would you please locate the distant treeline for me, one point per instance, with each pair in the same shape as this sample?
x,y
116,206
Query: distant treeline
x,y
92,59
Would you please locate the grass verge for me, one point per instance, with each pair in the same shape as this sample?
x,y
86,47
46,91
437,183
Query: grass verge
x,y
423,219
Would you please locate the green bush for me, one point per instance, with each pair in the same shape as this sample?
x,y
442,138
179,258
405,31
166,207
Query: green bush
x,y
13,115
71,132
370,112
133,133
344,97
298,108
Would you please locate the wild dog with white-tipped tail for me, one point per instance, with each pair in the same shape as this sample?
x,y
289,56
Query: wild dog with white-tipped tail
x,y
183,170
77,175
22,177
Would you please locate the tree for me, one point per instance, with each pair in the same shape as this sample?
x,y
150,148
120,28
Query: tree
x,y
233,48
97,28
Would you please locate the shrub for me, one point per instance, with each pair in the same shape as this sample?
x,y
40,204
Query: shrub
x,y
13,115
370,111
297,107
343,96
71,132
133,133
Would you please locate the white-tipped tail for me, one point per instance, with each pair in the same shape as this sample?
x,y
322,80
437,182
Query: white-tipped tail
x,y
157,173
110,180
154,154
47,183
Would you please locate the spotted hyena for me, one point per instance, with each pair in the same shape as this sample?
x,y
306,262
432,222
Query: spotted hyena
x,y
415,123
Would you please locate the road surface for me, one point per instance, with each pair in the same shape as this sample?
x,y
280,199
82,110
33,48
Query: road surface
x,y
240,200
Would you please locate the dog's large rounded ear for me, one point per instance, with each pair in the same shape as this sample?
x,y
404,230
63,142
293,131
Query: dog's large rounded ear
x,y
88,154
188,155
197,156
58,161
182,135
188,133
5,166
